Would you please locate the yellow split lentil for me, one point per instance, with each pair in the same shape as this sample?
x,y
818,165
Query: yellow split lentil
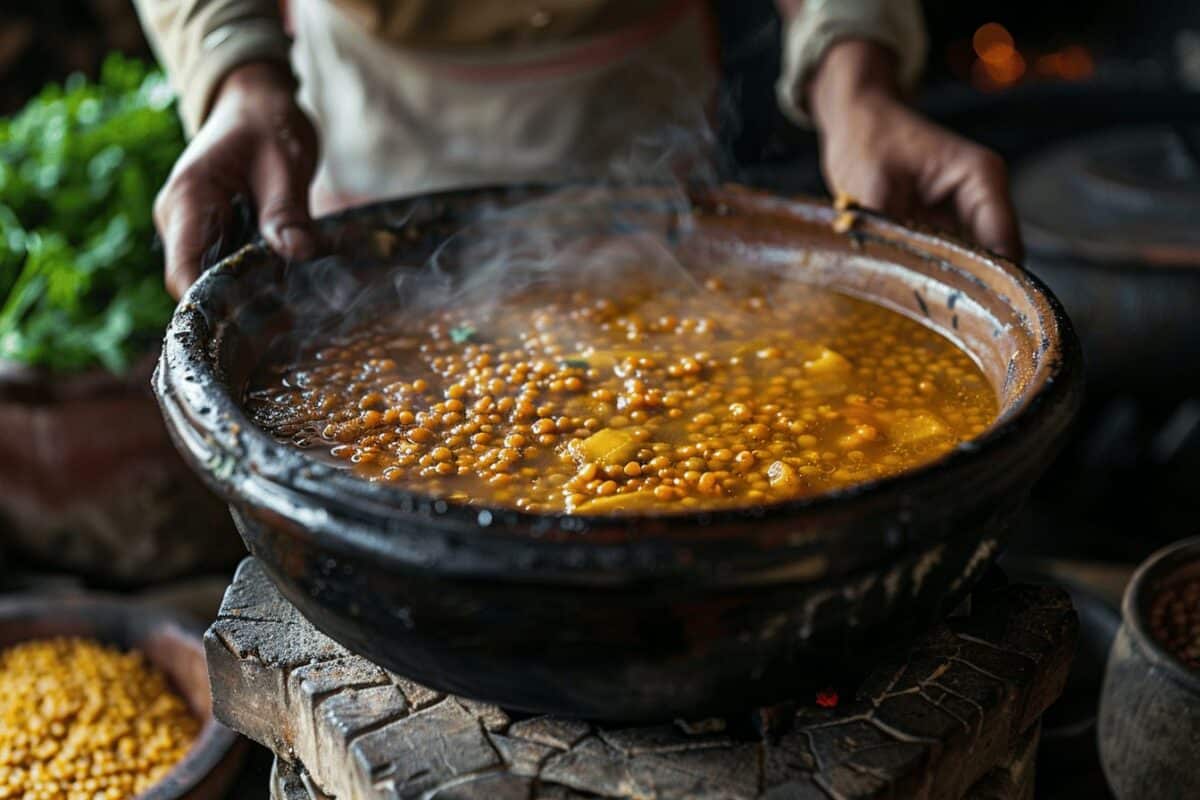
x,y
80,720
728,392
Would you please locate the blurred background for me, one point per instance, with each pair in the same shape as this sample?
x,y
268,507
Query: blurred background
x,y
1095,105
1101,97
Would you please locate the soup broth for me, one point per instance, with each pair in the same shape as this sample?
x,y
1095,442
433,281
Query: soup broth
x,y
734,391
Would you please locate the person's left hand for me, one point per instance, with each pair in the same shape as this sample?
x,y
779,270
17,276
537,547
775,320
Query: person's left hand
x,y
887,157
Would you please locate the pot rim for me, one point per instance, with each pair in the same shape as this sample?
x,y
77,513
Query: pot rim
x,y
271,468
1044,241
1043,245
1148,577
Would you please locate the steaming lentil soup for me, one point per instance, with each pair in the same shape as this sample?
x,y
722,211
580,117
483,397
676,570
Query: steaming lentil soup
x,y
721,394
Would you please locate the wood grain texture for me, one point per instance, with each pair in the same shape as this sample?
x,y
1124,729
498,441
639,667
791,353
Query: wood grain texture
x,y
957,716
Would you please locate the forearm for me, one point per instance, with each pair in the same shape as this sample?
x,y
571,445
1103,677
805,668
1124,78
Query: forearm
x,y
814,28
200,41
849,72
847,64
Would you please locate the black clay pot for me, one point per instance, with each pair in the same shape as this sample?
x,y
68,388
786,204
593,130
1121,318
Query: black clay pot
x,y
1149,727
622,617
1109,222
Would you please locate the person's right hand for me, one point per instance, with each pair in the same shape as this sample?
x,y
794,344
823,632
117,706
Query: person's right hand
x,y
879,151
255,142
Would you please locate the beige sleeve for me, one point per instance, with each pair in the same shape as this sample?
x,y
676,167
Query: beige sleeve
x,y
896,24
200,41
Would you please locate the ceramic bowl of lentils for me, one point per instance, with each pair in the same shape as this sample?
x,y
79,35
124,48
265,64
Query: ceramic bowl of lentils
x,y
108,700
1149,727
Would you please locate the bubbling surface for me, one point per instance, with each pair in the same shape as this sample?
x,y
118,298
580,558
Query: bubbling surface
x,y
730,391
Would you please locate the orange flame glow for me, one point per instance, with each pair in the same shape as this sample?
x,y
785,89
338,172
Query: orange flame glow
x,y
1072,63
999,64
993,43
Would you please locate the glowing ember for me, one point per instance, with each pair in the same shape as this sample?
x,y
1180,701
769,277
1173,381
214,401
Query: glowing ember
x,y
1072,63
994,44
827,698
999,64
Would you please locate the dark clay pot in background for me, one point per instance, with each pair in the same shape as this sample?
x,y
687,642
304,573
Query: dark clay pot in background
x,y
632,617
1109,222
89,481
1149,726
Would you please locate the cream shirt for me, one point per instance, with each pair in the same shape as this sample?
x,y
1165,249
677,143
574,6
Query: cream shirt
x,y
412,95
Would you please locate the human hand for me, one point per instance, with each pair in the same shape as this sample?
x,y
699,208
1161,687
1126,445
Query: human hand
x,y
256,142
890,158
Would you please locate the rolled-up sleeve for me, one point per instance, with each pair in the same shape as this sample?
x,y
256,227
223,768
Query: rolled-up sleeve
x,y
896,24
200,41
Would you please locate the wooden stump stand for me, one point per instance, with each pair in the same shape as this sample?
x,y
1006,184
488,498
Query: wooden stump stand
x,y
957,716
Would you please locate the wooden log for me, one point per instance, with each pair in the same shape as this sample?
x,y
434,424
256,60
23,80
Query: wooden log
x,y
956,716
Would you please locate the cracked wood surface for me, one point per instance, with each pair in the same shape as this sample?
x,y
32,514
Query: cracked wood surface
x,y
952,718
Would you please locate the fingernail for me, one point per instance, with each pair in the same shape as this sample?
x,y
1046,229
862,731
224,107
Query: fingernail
x,y
297,242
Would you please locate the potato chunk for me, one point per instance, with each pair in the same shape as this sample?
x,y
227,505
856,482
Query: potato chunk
x,y
782,476
630,501
606,447
828,363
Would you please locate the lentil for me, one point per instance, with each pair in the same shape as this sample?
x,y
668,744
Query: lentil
x,y
80,720
1175,621
738,393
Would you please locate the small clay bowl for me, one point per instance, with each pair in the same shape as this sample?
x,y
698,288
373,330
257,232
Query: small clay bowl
x,y
172,643
1149,728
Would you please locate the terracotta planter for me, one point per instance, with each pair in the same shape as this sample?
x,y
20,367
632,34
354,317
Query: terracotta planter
x,y
1149,727
90,483
637,616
